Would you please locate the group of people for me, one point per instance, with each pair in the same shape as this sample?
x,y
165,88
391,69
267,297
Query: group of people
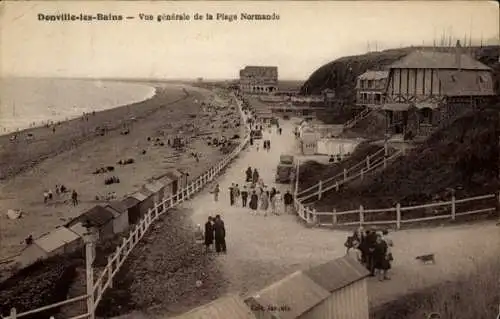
x,y
60,189
372,249
267,145
215,230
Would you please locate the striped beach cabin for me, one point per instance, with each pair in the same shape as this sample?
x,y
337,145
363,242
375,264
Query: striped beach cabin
x,y
228,307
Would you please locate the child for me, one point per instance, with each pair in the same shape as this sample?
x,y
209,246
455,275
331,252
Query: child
x,y
354,251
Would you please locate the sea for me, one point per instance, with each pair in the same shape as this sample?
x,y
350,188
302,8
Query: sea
x,y
31,102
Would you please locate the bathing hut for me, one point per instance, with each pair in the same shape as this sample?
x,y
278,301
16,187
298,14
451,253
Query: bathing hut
x,y
345,279
100,218
120,216
156,189
59,241
179,180
228,307
132,204
295,296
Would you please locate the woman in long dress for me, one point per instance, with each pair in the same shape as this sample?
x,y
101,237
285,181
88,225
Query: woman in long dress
x,y
264,202
380,262
254,201
278,203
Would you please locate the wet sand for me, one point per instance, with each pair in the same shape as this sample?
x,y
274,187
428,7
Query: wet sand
x,y
71,154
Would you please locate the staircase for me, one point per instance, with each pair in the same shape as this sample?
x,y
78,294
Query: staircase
x,y
349,124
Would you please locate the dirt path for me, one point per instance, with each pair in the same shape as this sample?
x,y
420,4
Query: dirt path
x,y
263,249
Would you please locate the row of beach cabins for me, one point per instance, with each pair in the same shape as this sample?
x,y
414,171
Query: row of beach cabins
x,y
108,219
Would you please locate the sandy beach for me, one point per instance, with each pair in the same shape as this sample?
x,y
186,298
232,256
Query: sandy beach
x,y
74,151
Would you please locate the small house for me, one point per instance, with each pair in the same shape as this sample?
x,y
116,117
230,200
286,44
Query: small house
x,y
59,241
132,204
345,279
149,200
156,189
309,140
120,216
295,296
178,178
228,307
370,88
99,217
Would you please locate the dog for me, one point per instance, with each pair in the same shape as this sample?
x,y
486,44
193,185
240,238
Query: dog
x,y
429,258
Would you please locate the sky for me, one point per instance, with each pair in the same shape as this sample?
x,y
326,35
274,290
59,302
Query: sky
x,y
306,36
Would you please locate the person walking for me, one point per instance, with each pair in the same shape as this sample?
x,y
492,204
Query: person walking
x,y
74,198
244,196
248,174
216,193
268,145
237,193
231,194
254,201
255,176
220,235
380,263
278,203
288,201
264,202
209,233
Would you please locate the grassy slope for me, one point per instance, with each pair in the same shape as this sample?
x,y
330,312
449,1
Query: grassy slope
x,y
473,296
446,160
312,172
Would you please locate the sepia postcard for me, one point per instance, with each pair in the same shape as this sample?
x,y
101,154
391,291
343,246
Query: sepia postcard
x,y
249,159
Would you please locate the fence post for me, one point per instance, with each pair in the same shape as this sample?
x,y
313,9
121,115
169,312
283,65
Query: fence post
x,y
334,216
368,162
386,149
315,217
453,205
337,187
345,174
109,268
398,216
385,161
13,313
361,216
320,186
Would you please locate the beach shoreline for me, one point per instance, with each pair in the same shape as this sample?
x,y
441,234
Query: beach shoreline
x,y
68,156
102,103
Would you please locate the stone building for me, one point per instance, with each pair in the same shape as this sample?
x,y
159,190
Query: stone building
x,y
259,79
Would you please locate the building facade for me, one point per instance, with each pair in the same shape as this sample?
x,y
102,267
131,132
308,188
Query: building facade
x,y
370,88
259,79
426,90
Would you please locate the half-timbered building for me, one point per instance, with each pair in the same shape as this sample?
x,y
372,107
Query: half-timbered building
x,y
427,89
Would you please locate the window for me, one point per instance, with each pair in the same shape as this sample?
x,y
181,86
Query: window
x,y
480,79
370,84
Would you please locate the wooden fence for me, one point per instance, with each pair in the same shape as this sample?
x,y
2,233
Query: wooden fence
x,y
377,160
116,260
396,215
399,215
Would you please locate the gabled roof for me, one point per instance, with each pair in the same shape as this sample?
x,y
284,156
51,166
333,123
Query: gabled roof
x,y
130,202
154,187
97,215
57,238
173,174
140,196
437,60
297,291
374,75
465,83
118,206
146,192
230,307
337,274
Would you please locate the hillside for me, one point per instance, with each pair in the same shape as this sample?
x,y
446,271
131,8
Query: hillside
x,y
464,156
340,75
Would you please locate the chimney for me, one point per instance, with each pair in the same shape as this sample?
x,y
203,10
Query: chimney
x,y
458,56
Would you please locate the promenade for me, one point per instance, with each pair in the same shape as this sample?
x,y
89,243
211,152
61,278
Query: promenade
x,y
264,249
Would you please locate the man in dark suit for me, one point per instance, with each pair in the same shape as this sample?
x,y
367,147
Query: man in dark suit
x,y
220,235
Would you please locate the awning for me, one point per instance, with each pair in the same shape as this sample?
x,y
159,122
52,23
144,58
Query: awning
x,y
429,105
398,107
